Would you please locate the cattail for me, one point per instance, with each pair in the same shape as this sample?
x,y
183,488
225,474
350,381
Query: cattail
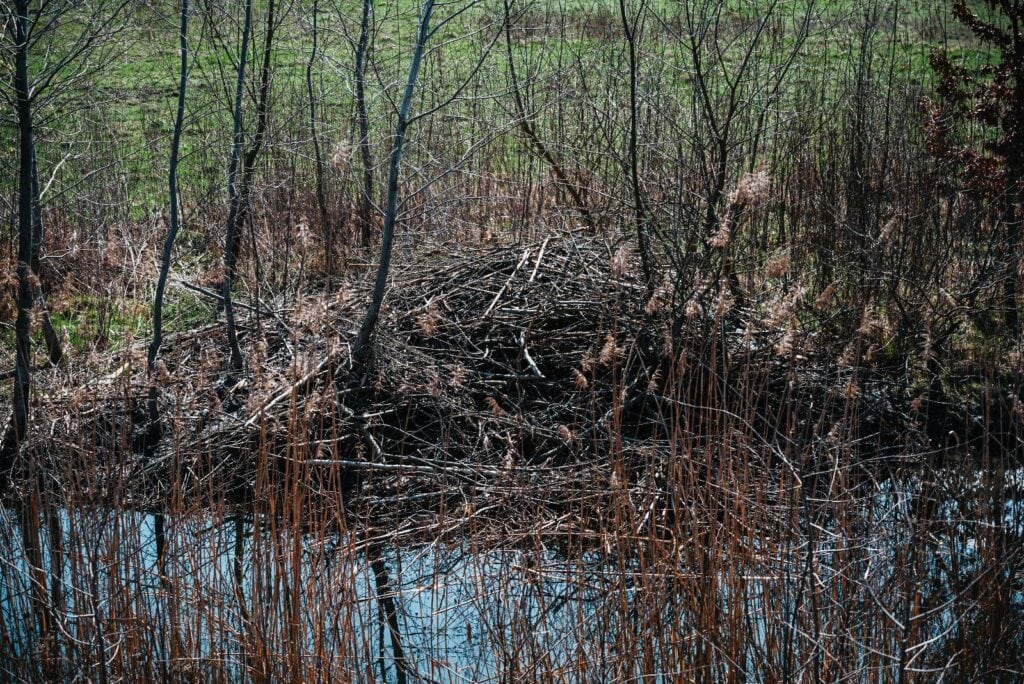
x,y
162,375
822,302
457,376
869,322
428,320
495,407
778,265
609,352
652,385
723,237
667,343
620,262
784,347
587,362
751,190
33,279
682,364
580,379
565,433
654,304
692,309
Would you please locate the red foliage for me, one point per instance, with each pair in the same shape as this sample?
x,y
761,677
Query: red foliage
x,y
991,161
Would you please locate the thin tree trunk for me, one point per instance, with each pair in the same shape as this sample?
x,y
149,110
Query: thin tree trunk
x,y
321,195
28,522
26,149
524,125
259,135
366,153
389,612
360,350
55,554
640,215
175,224
232,239
1011,316
53,346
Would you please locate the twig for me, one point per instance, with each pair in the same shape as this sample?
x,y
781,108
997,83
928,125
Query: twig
x,y
540,256
298,386
526,254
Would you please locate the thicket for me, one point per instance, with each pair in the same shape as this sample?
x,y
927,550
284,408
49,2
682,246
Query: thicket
x,y
720,297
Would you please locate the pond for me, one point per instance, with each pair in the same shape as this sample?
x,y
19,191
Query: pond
x,y
903,576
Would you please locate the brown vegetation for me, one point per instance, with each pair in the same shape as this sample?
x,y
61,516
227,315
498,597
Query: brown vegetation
x,y
698,357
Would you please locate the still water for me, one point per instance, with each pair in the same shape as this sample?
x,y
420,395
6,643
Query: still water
x,y
871,590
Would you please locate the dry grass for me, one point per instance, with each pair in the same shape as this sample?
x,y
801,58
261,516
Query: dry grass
x,y
694,509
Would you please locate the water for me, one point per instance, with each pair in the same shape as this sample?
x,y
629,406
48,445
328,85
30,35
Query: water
x,y
870,587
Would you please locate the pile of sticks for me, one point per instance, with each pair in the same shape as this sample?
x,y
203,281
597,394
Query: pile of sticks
x,y
499,377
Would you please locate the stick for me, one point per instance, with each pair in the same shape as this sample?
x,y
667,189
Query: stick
x,y
296,387
540,256
522,260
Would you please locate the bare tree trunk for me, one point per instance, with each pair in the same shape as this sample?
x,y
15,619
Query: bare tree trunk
x,y
233,237
175,223
365,151
1011,295
1015,163
259,135
321,195
528,131
360,350
26,149
640,215
53,346
31,539
388,612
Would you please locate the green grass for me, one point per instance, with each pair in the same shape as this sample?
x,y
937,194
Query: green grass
x,y
94,321
134,96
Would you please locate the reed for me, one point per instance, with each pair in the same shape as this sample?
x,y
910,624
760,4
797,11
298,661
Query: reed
x,y
782,444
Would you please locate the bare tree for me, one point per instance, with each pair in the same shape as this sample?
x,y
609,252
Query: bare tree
x,y
47,57
175,221
318,157
232,238
363,119
405,118
739,59
240,180
361,347
631,23
38,29
525,123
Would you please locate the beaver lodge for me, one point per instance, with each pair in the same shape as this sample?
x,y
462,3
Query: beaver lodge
x,y
499,377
